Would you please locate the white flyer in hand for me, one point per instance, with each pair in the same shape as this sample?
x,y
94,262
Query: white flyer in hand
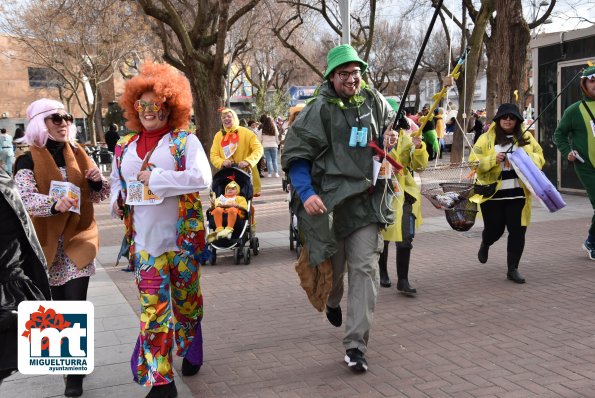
x,y
59,189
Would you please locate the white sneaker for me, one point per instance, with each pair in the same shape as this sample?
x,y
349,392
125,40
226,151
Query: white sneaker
x,y
270,175
276,175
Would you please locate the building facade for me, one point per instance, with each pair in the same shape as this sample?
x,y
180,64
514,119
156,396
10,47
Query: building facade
x,y
558,59
22,82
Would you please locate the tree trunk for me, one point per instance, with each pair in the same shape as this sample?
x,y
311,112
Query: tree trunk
x,y
206,101
511,41
89,134
467,79
491,93
98,117
415,90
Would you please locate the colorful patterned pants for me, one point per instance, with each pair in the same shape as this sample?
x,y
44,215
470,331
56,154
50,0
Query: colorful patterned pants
x,y
165,283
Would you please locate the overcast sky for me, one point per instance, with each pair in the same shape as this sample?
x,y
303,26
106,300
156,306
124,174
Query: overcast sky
x,y
566,12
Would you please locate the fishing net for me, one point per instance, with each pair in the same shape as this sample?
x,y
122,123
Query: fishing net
x,y
448,187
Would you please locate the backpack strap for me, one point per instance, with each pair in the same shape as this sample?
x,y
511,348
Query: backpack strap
x,y
588,110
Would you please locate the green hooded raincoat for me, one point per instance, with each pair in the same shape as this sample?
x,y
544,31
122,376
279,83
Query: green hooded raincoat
x,y
341,175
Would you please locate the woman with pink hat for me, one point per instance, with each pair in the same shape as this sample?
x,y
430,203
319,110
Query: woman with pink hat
x,y
64,223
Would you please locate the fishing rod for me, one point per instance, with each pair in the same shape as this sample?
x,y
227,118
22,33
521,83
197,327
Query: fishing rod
x,y
555,98
378,146
439,96
515,140
419,56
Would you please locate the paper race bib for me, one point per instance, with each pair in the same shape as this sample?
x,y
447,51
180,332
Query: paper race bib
x,y
397,191
224,201
140,194
385,170
230,149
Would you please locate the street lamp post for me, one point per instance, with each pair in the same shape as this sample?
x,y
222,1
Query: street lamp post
x,y
344,7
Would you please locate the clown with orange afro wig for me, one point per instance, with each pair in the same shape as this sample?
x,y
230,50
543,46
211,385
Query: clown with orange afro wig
x,y
158,171
234,144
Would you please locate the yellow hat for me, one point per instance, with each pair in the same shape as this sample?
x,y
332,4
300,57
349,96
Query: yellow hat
x,y
233,184
234,115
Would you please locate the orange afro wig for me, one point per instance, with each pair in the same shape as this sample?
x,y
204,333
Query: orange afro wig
x,y
165,82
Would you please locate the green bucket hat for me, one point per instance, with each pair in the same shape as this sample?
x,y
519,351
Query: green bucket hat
x,y
341,55
588,73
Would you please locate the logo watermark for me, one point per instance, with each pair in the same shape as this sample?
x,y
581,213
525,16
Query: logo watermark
x,y
56,337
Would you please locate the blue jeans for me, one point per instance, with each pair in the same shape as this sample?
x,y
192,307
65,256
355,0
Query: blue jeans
x,y
271,157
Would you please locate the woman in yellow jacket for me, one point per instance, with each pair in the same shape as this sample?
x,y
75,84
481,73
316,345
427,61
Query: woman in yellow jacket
x,y
440,128
412,154
236,144
510,206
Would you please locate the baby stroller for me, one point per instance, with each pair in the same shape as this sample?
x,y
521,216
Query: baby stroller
x,y
294,235
242,239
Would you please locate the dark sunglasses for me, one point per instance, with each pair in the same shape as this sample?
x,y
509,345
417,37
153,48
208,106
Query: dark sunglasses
x,y
58,118
509,117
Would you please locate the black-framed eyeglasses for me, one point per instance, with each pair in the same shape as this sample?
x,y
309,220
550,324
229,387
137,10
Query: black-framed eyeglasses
x,y
58,118
345,75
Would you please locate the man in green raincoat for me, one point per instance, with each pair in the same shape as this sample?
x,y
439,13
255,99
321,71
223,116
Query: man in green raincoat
x,y
340,209
575,139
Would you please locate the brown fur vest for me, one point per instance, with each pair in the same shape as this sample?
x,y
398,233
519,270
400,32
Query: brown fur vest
x,y
81,238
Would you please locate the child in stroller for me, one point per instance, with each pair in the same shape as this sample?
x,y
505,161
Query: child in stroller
x,y
230,204
234,239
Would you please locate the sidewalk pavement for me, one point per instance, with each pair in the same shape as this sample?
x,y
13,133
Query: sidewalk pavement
x,y
468,333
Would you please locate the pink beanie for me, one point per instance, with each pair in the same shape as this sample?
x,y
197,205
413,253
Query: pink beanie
x,y
36,132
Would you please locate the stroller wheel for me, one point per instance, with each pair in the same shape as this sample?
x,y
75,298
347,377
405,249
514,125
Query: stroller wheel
x,y
246,253
254,245
237,254
291,238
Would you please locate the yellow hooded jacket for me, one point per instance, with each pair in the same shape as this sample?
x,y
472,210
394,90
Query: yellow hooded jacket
x,y
415,159
249,149
488,171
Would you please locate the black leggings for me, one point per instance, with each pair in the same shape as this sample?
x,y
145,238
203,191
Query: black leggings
x,y
74,289
498,214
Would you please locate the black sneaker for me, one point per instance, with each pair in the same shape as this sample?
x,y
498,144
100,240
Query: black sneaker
x,y
334,316
482,254
590,248
74,386
163,391
188,368
355,360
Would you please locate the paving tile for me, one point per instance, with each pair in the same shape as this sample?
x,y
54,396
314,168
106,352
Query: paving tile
x,y
468,333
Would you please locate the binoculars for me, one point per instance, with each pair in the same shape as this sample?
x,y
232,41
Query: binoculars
x,y
358,137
